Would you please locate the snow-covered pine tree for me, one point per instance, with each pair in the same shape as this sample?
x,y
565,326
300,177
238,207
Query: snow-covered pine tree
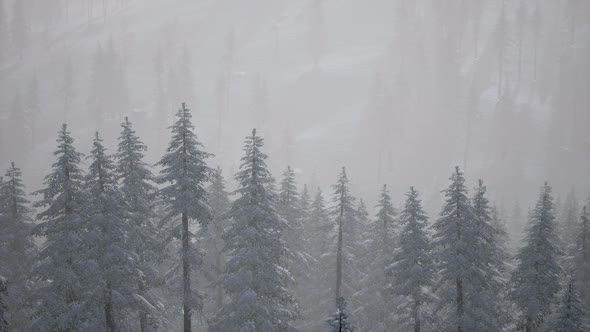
x,y
111,273
60,295
411,271
570,313
137,188
379,240
255,276
213,243
535,280
492,286
185,173
338,321
345,213
17,249
568,220
304,208
289,209
460,252
3,307
319,294
582,258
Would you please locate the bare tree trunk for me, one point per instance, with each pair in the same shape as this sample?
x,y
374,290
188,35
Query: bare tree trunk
x,y
186,273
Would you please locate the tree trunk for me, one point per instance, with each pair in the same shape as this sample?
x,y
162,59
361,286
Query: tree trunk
x,y
186,273
143,323
460,304
339,253
108,309
219,295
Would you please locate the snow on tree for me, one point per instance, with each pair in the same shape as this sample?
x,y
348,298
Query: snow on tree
x,y
3,307
318,294
462,239
568,219
256,275
215,258
185,173
570,313
338,321
535,280
110,268
411,272
60,293
17,249
289,209
378,241
493,260
347,241
582,258
137,189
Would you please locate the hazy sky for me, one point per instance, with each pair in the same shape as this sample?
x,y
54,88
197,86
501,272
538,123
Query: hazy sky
x,y
399,92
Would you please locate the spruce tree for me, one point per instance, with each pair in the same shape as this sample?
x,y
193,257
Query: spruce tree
x,y
320,231
17,249
60,292
184,173
137,189
3,307
111,269
338,321
255,276
570,312
493,260
411,271
535,280
379,239
344,212
462,239
582,258
289,209
215,257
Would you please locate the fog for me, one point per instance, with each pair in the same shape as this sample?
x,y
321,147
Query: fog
x,y
398,92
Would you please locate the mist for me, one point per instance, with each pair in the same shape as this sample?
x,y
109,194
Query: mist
x,y
397,92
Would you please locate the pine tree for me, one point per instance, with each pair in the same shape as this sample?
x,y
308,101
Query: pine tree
x,y
3,307
255,276
318,294
492,286
289,209
339,320
568,218
379,241
17,248
185,172
461,239
582,258
138,191
411,271
344,212
60,294
570,313
212,236
111,274
535,280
